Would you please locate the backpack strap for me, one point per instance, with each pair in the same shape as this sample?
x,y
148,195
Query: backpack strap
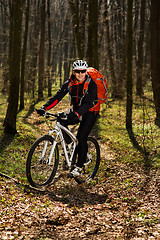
x,y
85,89
70,85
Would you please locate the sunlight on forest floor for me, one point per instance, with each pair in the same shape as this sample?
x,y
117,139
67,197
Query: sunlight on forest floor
x,y
122,202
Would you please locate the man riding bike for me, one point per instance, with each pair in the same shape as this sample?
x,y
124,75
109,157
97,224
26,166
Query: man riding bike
x,y
83,108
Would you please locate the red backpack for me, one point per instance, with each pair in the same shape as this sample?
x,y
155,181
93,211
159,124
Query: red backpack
x,y
102,87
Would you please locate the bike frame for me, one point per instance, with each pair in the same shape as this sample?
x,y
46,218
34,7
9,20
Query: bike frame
x,y
58,130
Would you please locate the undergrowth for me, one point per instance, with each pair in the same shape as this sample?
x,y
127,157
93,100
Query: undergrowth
x,y
110,130
144,145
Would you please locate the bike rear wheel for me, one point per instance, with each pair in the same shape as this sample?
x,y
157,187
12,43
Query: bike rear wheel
x,y
92,162
38,170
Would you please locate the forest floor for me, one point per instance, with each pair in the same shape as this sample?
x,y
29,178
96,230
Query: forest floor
x,y
123,202
125,205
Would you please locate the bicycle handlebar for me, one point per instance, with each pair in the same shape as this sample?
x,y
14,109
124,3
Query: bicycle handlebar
x,y
57,116
51,114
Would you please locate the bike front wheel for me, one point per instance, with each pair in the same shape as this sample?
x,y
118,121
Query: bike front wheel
x,y
39,170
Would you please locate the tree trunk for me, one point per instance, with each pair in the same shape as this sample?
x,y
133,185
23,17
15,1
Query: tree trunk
x,y
4,49
121,77
11,115
66,47
60,67
11,32
41,52
90,30
95,13
129,66
110,54
33,43
155,55
49,50
24,57
74,7
92,51
139,85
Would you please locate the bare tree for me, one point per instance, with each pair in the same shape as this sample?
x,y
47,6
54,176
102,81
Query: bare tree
x,y
129,65
11,115
33,50
75,9
110,53
139,85
155,55
49,49
4,45
41,51
23,62
92,50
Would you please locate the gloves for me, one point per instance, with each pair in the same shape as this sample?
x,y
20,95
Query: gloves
x,y
41,111
63,115
72,118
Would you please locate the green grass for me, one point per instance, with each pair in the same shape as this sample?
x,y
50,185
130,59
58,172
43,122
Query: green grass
x,y
110,127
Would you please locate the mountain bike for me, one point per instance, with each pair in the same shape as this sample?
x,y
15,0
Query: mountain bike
x,y
44,158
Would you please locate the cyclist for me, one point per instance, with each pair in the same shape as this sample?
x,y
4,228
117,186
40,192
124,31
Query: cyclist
x,y
82,108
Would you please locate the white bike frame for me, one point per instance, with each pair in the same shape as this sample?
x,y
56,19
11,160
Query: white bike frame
x,y
58,130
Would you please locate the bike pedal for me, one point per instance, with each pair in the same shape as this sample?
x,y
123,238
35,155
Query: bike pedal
x,y
70,175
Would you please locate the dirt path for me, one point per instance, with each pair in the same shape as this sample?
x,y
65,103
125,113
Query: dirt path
x,y
122,203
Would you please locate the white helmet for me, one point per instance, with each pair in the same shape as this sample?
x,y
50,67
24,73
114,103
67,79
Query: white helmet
x,y
80,64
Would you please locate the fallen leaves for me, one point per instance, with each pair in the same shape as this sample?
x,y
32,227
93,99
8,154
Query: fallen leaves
x,y
124,204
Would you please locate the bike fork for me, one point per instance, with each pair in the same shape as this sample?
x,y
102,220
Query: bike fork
x,y
51,153
43,151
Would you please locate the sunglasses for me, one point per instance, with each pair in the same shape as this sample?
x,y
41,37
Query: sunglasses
x,y
78,71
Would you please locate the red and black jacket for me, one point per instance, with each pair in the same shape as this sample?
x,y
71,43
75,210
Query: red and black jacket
x,y
81,103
